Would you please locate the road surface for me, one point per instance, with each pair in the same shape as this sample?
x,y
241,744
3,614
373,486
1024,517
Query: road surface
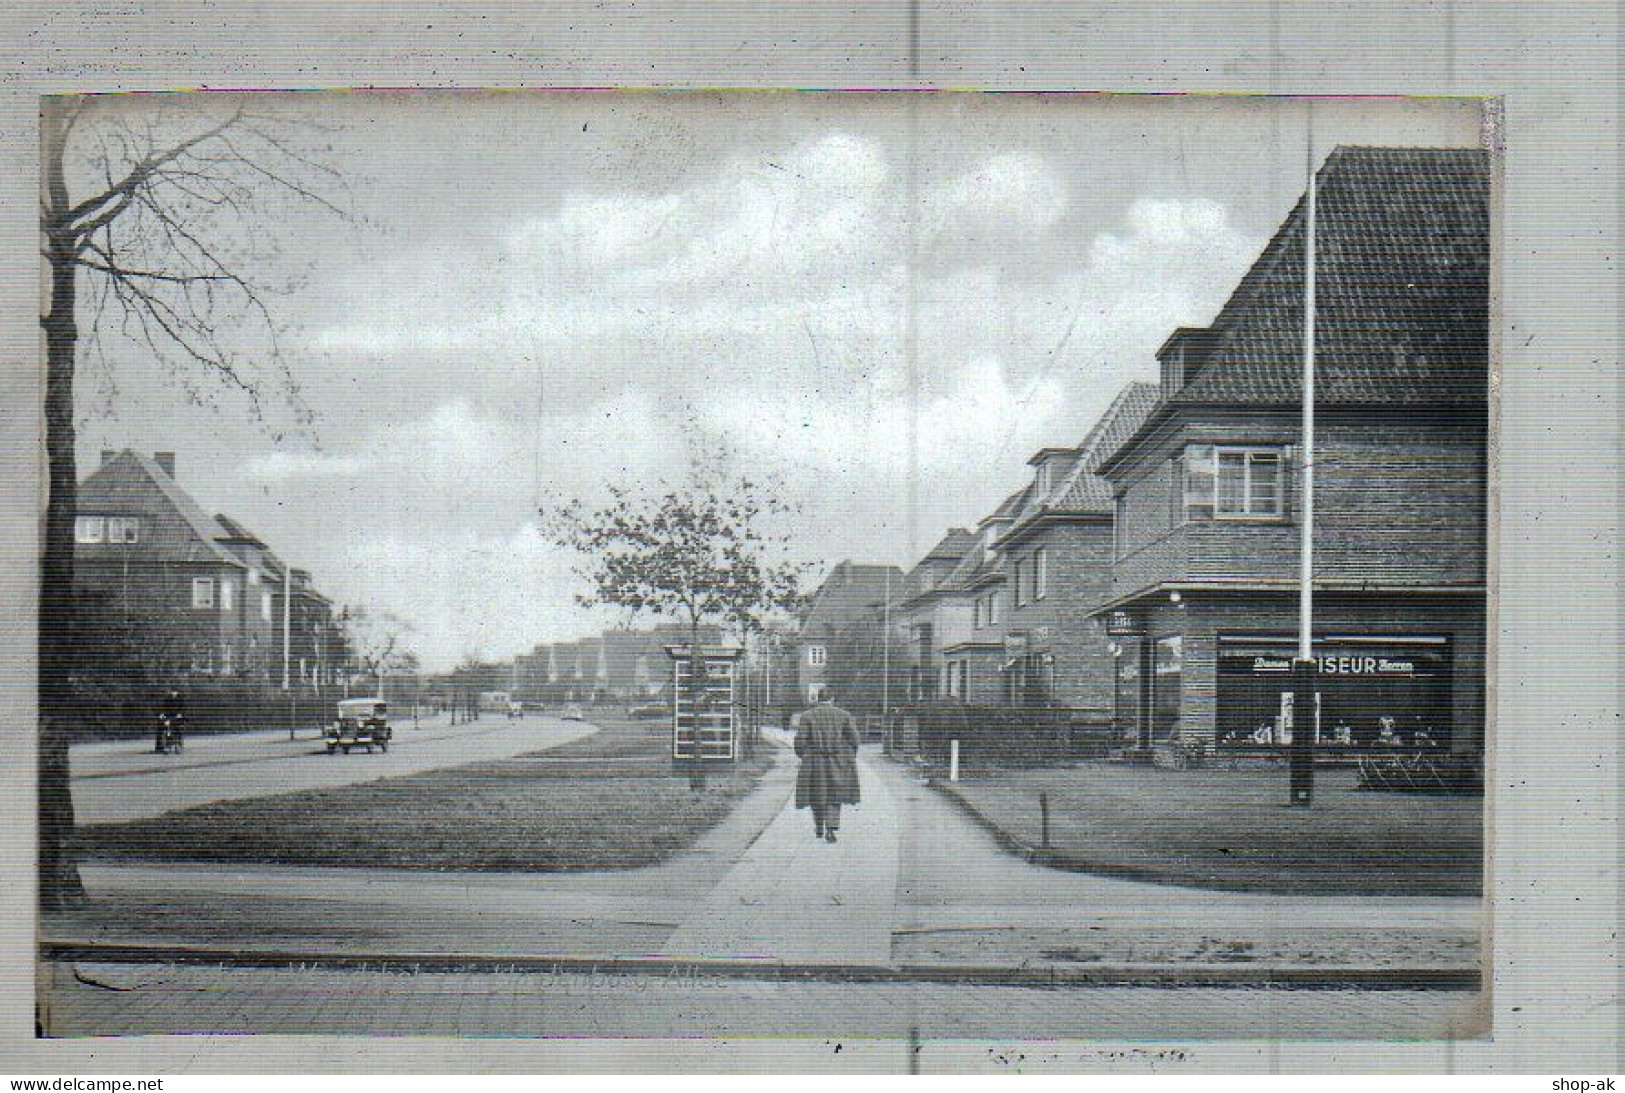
x,y
125,780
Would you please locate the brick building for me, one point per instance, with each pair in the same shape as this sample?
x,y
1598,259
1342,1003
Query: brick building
x,y
1202,600
1056,554
202,595
839,641
970,643
928,605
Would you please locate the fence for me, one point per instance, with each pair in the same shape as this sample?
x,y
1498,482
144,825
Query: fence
x,y
999,736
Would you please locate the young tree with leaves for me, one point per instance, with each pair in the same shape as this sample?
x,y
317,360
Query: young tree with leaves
x,y
703,552
153,227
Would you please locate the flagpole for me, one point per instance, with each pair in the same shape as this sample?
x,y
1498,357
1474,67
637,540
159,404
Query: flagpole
x,y
1304,682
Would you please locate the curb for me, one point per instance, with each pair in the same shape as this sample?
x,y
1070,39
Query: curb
x,y
1290,977
1069,862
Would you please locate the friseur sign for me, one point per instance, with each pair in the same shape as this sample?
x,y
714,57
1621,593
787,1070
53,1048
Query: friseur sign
x,y
1339,666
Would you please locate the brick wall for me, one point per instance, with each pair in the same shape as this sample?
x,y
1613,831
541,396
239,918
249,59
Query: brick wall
x,y
1399,501
1079,565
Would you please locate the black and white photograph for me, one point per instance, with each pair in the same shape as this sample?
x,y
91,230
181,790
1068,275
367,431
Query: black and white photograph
x,y
913,565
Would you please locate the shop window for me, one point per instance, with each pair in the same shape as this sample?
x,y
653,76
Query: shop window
x,y
202,592
1373,693
1167,680
1128,714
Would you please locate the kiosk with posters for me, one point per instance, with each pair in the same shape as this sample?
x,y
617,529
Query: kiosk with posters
x,y
704,722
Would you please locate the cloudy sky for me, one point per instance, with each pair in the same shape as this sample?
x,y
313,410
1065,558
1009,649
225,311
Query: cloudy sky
x,y
539,283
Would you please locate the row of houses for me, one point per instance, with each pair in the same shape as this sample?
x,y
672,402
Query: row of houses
x,y
623,664
1147,574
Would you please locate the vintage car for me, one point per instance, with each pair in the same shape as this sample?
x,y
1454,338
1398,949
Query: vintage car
x,y
362,723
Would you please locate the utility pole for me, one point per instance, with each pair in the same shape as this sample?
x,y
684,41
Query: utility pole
x,y
287,642
885,652
1304,681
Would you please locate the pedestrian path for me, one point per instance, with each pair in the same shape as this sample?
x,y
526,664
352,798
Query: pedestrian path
x,y
911,881
796,899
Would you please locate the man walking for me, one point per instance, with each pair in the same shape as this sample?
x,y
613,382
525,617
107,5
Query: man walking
x,y
827,742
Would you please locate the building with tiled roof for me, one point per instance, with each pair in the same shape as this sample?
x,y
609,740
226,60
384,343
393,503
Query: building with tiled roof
x,y
202,595
840,643
923,609
1028,642
1202,599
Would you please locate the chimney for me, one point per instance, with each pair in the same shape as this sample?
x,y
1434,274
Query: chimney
x,y
108,455
165,461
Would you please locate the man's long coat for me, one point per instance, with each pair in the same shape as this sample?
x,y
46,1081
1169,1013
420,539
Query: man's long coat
x,y
827,741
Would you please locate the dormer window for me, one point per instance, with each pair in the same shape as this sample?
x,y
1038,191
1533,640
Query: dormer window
x,y
1041,480
1173,371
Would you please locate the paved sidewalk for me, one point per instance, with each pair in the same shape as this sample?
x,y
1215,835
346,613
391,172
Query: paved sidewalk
x,y
912,882
796,899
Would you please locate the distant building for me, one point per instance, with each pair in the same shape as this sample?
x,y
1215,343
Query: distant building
x,y
970,641
840,638
923,606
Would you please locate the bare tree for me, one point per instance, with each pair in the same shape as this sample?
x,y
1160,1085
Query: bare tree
x,y
155,224
378,641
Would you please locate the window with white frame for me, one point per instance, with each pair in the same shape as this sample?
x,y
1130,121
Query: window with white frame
x,y
976,613
1041,481
90,529
228,593
253,576
202,592
1040,573
1018,590
123,529
817,656
1223,482
265,605
992,608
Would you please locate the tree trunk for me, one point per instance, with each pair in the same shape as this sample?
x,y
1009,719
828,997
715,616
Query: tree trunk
x,y
59,883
